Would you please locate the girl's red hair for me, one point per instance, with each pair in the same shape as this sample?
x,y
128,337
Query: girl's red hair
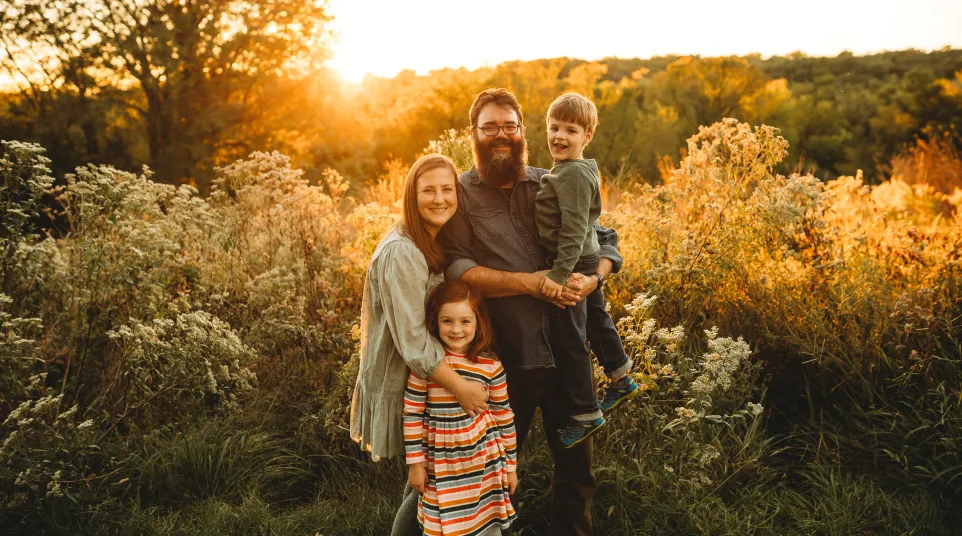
x,y
455,292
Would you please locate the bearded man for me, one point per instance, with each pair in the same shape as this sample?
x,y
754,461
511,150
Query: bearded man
x,y
492,244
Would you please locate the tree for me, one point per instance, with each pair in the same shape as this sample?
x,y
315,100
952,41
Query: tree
x,y
198,65
706,90
60,103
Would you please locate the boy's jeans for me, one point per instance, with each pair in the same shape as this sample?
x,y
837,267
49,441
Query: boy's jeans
x,y
589,321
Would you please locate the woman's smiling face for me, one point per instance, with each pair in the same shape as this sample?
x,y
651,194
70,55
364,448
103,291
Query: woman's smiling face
x,y
437,198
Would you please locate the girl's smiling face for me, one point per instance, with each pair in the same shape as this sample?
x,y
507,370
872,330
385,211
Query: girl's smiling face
x,y
457,325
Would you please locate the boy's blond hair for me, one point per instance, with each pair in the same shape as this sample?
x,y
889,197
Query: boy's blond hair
x,y
575,108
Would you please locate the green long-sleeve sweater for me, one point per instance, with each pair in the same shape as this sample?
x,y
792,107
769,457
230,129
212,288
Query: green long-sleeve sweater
x,y
566,211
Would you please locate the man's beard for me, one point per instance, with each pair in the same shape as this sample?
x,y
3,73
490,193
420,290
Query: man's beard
x,y
500,169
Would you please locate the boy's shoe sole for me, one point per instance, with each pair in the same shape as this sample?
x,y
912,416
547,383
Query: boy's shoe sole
x,y
588,434
628,396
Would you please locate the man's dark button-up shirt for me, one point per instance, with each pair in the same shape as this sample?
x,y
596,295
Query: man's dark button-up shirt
x,y
495,228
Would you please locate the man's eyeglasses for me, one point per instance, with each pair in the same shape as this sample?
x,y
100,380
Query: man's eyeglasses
x,y
492,130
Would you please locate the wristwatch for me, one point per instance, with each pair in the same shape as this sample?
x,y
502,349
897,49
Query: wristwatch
x,y
601,279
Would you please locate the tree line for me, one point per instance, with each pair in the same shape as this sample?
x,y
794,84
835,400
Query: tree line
x,y
184,86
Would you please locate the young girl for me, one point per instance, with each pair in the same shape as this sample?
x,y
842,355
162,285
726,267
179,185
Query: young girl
x,y
463,466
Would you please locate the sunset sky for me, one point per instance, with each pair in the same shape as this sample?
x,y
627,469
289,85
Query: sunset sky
x,y
383,37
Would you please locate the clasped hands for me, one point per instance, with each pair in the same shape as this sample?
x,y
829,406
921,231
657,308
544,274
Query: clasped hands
x,y
576,288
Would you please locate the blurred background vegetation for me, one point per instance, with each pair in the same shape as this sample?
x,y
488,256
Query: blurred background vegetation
x,y
178,343
176,86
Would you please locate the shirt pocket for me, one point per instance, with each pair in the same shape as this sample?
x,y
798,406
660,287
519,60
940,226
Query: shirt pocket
x,y
491,225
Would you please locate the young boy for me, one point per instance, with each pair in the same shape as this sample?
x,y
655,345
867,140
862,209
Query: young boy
x,y
566,210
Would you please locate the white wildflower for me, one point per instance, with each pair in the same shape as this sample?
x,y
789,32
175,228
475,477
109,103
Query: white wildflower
x,y
53,487
10,439
686,415
641,302
211,384
708,454
68,414
17,412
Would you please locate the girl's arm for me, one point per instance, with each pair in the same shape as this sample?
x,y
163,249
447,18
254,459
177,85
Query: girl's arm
x,y
501,411
415,407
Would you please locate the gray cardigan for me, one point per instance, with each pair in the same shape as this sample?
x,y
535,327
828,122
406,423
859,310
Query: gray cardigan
x,y
394,339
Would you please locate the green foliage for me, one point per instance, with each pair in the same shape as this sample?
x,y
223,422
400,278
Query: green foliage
x,y
130,344
196,70
25,181
46,454
839,114
456,145
211,461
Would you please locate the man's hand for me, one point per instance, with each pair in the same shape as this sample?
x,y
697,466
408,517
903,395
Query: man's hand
x,y
512,482
549,289
418,477
532,286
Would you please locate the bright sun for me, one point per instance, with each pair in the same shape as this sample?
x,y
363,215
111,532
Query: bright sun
x,y
351,68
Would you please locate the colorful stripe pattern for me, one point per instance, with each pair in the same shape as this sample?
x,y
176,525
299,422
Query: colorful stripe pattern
x,y
467,458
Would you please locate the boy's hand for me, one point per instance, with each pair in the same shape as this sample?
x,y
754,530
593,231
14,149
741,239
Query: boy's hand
x,y
579,286
512,482
550,289
418,477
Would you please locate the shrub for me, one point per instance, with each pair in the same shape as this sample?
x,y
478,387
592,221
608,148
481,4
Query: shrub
x,y
130,341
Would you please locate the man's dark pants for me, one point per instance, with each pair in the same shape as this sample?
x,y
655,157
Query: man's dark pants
x,y
573,484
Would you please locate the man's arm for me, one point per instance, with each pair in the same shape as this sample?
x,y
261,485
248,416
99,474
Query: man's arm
x,y
497,284
608,240
458,241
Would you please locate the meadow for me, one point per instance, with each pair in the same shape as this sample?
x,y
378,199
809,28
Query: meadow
x,y
179,364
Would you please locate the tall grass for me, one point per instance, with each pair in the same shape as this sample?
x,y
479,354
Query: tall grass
x,y
179,365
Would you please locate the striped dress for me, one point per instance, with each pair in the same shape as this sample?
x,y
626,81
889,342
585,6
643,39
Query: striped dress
x,y
467,458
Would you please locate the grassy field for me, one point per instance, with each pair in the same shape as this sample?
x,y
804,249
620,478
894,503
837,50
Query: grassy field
x,y
171,364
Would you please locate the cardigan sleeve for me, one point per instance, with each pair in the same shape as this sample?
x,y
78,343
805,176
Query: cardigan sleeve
x,y
403,282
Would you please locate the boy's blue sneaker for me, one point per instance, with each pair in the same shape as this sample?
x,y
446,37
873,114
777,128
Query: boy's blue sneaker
x,y
578,431
619,391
